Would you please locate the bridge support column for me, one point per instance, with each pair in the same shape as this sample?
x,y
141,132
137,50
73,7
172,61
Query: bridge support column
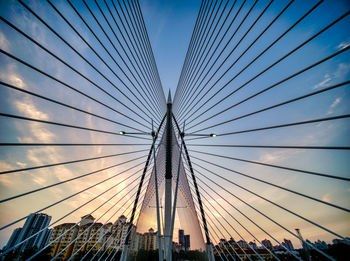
x,y
210,253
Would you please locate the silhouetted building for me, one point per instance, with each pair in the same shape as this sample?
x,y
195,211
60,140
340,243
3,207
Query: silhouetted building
x,y
223,242
288,244
181,237
242,244
307,245
177,247
267,243
253,245
36,226
337,241
187,242
321,245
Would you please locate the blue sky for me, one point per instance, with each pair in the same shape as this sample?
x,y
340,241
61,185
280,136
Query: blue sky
x,y
170,25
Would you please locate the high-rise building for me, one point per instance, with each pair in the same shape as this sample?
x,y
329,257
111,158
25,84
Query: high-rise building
x,y
120,230
60,243
13,239
150,240
46,238
95,237
137,242
187,242
107,243
83,233
87,219
181,237
36,226
103,241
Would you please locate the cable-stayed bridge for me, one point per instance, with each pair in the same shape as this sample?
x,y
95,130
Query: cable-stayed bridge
x,y
99,162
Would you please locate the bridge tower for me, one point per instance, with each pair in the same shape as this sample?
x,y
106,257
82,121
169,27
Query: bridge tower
x,y
168,182
169,209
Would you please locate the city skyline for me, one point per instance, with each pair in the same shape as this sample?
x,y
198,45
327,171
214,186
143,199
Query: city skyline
x,y
66,240
85,220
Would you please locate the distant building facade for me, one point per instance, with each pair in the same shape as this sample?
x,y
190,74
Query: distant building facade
x,y
187,242
181,237
267,243
288,244
70,238
14,238
253,245
242,244
150,240
35,228
61,240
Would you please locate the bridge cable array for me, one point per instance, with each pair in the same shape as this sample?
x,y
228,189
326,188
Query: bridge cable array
x,y
88,91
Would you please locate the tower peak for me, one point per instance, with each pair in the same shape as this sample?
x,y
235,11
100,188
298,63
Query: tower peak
x,y
169,97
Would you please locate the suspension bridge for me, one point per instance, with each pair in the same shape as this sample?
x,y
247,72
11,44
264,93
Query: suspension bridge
x,y
246,159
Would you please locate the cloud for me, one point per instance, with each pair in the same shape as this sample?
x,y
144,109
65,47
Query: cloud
x,y
277,156
28,108
5,179
323,83
39,180
327,198
342,70
4,43
333,105
336,102
5,166
10,76
21,164
343,45
340,73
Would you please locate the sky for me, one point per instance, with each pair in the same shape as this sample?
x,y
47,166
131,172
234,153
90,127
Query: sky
x,y
170,25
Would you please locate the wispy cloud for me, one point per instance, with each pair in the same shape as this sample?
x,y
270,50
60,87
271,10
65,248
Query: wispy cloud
x,y
28,108
21,164
333,105
343,45
323,83
4,43
5,179
340,73
277,156
10,75
336,102
327,198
